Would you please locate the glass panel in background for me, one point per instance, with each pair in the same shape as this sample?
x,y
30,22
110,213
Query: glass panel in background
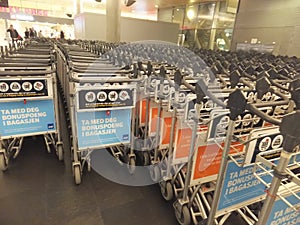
x,y
189,25
165,14
226,16
190,19
223,39
225,24
178,15
205,15
203,36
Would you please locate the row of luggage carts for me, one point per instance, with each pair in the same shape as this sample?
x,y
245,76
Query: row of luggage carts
x,y
218,131
29,100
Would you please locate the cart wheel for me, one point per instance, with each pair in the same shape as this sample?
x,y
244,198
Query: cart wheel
x,y
3,163
77,174
155,173
183,217
60,152
131,165
146,158
166,189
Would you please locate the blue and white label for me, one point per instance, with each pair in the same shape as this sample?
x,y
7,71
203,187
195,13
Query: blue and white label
x,y
19,118
103,128
240,186
282,214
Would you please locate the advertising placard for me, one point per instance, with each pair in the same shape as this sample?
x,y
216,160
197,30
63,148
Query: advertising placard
x,y
103,128
240,188
207,160
183,138
218,125
143,108
24,88
112,98
166,128
153,118
282,214
262,140
18,118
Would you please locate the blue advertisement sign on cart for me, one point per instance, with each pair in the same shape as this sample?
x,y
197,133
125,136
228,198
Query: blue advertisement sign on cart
x,y
32,117
282,214
240,186
102,128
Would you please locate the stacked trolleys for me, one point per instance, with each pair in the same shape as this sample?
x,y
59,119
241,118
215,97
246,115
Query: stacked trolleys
x,y
99,98
29,103
226,116
200,129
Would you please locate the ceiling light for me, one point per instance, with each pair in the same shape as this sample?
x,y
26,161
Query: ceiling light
x,y
190,14
156,6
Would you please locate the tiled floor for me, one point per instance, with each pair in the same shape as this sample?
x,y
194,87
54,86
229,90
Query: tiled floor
x,y
38,189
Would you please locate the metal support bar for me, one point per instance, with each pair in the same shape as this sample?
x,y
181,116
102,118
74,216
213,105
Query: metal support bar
x,y
220,180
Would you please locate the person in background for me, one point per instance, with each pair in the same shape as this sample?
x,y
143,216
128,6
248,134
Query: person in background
x,y
26,33
40,34
34,32
62,35
31,33
13,34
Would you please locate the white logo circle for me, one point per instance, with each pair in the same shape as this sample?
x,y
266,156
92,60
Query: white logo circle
x,y
15,86
153,83
113,96
90,96
4,87
224,122
238,121
166,89
101,96
124,95
247,119
256,119
38,86
264,144
27,86
277,141
181,97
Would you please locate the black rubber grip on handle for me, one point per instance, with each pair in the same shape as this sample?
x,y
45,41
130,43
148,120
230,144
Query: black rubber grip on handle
x,y
290,129
236,104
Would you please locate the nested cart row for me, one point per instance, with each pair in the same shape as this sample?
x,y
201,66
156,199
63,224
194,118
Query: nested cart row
x,y
199,127
100,98
29,100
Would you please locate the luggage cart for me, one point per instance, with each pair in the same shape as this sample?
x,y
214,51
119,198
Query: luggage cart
x,y
101,102
29,106
237,109
286,170
183,215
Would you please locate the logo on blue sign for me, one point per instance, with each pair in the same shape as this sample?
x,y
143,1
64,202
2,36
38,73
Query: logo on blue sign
x,y
125,137
50,126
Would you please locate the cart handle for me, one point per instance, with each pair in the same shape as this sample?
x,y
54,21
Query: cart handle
x,y
17,73
262,115
106,79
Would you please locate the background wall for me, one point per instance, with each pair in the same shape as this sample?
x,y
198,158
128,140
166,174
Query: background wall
x,y
91,26
269,21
